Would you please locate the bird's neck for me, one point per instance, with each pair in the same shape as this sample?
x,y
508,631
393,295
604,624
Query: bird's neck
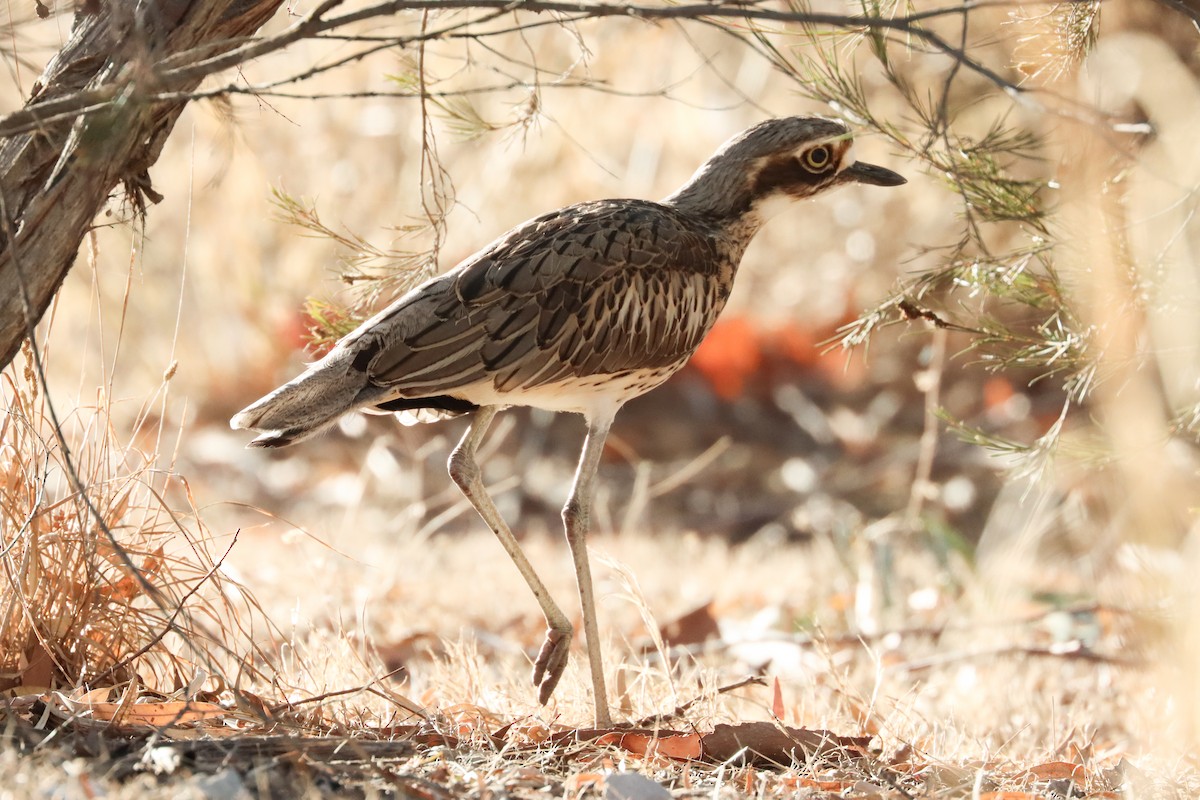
x,y
733,216
724,196
714,193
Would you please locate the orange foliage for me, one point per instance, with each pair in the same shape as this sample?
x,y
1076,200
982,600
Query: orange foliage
x,y
729,356
737,349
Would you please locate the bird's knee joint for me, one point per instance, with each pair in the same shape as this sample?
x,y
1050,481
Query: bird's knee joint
x,y
463,469
574,515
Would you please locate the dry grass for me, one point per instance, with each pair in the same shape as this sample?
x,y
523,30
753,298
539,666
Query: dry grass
x,y
302,583
118,583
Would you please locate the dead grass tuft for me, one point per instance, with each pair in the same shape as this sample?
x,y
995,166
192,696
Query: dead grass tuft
x,y
112,584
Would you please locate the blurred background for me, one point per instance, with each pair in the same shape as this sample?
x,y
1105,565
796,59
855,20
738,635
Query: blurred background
x,y
941,476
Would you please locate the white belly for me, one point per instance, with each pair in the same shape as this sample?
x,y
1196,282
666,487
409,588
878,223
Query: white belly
x,y
584,395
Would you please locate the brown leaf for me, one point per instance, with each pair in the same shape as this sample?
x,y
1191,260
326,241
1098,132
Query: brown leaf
x,y
695,627
777,709
82,695
678,746
1056,771
155,715
767,743
131,586
524,733
252,704
39,669
864,715
582,780
153,563
831,785
125,590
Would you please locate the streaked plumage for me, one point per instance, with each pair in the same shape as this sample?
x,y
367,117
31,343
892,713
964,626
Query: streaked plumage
x,y
577,310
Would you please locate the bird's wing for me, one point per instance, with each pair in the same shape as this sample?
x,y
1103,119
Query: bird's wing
x,y
588,290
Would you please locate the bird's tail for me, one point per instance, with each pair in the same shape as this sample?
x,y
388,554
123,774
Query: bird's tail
x,y
303,407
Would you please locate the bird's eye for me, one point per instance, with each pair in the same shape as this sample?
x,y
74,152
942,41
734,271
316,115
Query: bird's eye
x,y
817,159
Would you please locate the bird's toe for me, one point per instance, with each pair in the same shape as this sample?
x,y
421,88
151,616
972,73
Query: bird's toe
x,y
551,662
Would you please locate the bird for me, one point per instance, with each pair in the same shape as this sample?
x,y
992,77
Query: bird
x,y
577,310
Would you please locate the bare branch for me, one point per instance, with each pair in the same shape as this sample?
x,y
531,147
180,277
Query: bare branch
x,y
190,66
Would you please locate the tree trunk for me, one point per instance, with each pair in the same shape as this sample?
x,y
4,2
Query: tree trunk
x,y
55,179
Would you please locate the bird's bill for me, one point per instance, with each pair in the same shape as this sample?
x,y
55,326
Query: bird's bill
x,y
859,172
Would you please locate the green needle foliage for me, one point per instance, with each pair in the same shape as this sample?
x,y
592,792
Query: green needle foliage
x,y
996,284
376,273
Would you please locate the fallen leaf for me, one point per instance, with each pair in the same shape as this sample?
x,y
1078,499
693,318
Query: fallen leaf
x,y
131,586
581,780
155,715
864,715
252,704
153,563
82,695
39,669
768,743
525,733
678,746
777,701
1057,770
832,785
695,627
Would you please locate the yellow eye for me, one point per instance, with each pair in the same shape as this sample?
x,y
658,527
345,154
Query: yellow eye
x,y
817,159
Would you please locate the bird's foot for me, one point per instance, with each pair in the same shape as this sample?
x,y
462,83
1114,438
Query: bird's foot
x,y
551,662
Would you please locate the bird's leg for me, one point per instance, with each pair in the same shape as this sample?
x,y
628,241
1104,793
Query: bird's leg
x,y
464,470
576,518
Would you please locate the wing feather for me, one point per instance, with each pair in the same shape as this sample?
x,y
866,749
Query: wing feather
x,y
598,288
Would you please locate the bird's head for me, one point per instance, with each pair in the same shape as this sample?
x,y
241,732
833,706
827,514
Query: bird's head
x,y
788,158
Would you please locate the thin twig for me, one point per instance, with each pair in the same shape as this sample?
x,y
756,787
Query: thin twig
x,y
169,625
682,708
288,705
931,377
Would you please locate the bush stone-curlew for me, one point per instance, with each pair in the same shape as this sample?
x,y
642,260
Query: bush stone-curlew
x,y
578,310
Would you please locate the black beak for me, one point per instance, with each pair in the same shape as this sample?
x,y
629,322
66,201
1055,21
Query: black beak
x,y
859,172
